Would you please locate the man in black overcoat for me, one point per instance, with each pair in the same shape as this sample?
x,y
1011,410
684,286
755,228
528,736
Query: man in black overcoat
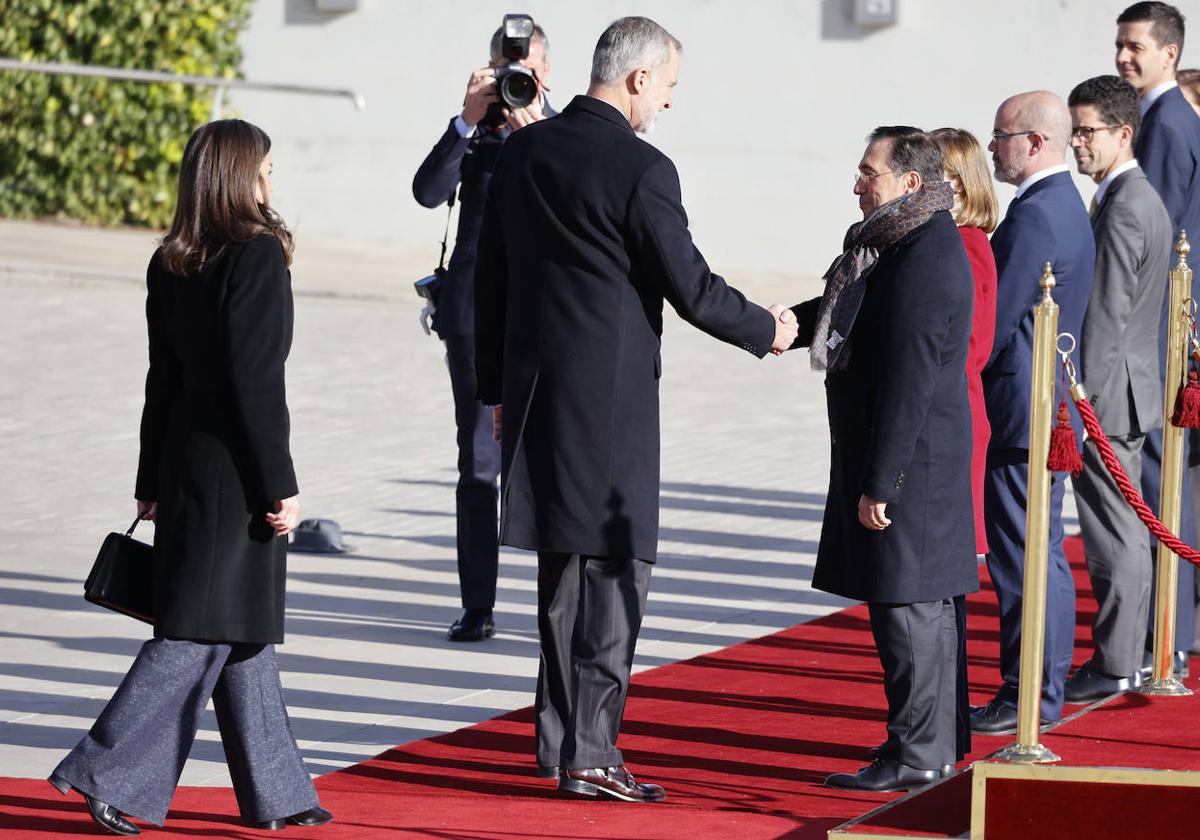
x,y
891,330
583,239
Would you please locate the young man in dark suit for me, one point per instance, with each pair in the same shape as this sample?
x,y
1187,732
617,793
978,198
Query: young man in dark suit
x,y
463,159
583,239
1119,365
1046,222
1149,44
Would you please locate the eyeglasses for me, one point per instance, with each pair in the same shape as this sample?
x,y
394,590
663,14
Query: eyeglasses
x,y
1087,132
1004,135
861,177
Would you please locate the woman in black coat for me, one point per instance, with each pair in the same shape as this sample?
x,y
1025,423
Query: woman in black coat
x,y
216,476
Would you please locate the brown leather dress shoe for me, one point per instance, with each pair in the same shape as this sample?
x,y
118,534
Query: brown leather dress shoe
x,y
615,782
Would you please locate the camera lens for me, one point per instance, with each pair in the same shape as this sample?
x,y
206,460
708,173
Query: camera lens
x,y
518,89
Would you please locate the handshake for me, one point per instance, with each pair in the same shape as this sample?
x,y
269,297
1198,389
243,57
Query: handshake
x,y
786,328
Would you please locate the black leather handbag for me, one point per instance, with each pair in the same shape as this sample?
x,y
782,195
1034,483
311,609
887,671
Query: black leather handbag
x,y
122,578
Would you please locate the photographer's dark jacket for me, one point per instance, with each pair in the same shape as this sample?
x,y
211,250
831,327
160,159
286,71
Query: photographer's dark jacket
x,y
214,443
455,159
583,238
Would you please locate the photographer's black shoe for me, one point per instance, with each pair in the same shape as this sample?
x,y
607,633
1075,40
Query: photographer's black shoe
x,y
474,626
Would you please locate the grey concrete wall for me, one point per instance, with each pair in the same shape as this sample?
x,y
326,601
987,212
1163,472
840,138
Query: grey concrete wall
x,y
774,100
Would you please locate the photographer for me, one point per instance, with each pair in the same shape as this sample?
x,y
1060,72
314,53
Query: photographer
x,y
466,154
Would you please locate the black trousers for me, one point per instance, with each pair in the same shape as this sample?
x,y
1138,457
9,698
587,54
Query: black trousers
x,y
589,614
476,498
918,648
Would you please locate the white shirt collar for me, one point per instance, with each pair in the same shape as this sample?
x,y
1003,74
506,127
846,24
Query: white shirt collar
x,y
1152,95
1111,176
1037,176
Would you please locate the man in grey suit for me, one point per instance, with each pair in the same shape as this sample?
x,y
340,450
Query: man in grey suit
x,y
1120,367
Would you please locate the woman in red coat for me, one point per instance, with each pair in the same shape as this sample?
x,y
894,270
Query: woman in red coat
x,y
976,213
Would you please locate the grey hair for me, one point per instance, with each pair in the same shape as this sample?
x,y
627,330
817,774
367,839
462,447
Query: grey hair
x,y
631,43
498,41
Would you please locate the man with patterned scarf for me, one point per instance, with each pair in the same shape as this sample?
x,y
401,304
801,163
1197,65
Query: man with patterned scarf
x,y
891,333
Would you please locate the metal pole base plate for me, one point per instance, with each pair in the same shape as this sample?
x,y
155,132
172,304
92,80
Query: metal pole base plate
x,y
1026,754
1164,687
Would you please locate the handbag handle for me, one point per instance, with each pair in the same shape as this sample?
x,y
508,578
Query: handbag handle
x,y
137,519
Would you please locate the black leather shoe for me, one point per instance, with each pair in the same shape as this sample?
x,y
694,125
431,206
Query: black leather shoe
x,y
1088,684
614,782
311,817
106,816
474,626
547,771
996,718
1180,663
877,751
883,777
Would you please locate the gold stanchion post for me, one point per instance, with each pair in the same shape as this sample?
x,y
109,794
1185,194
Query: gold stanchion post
x,y
1163,681
1027,749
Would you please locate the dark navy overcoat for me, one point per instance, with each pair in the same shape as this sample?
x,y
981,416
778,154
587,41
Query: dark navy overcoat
x,y
584,238
900,428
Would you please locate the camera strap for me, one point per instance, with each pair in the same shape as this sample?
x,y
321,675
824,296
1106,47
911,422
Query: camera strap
x,y
446,234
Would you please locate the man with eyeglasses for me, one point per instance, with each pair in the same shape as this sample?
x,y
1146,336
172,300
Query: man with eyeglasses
x,y
1119,362
1046,222
892,331
1149,44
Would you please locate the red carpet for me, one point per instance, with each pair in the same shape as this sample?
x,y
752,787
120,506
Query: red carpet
x,y
741,738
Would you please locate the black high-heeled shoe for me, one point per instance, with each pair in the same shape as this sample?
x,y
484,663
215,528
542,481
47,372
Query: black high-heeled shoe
x,y
105,815
311,817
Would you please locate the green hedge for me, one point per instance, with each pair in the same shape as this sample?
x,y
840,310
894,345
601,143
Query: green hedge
x,y
99,150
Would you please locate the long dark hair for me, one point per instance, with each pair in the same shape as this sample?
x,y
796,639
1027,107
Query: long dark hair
x,y
216,205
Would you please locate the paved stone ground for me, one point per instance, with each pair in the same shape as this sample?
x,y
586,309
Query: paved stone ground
x,y
366,664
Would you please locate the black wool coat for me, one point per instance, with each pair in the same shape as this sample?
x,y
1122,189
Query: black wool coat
x,y
214,443
584,237
900,428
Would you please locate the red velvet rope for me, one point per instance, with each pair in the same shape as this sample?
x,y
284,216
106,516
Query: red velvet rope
x,y
1096,436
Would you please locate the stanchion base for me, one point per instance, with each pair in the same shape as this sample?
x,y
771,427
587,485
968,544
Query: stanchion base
x,y
1026,754
1164,687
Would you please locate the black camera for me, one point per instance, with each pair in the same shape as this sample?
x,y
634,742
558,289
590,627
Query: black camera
x,y
515,82
429,287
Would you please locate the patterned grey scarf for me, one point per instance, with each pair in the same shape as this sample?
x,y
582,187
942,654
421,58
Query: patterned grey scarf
x,y
845,281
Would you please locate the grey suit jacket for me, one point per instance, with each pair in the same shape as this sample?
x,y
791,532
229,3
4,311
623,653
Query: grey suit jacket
x,y
1118,351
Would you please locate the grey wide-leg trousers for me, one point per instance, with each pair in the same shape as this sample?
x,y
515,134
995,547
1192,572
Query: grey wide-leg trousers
x,y
134,753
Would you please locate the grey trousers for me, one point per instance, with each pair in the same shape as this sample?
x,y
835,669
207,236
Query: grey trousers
x,y
918,648
134,753
1117,545
589,614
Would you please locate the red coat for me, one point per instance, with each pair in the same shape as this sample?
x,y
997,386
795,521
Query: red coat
x,y
983,331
